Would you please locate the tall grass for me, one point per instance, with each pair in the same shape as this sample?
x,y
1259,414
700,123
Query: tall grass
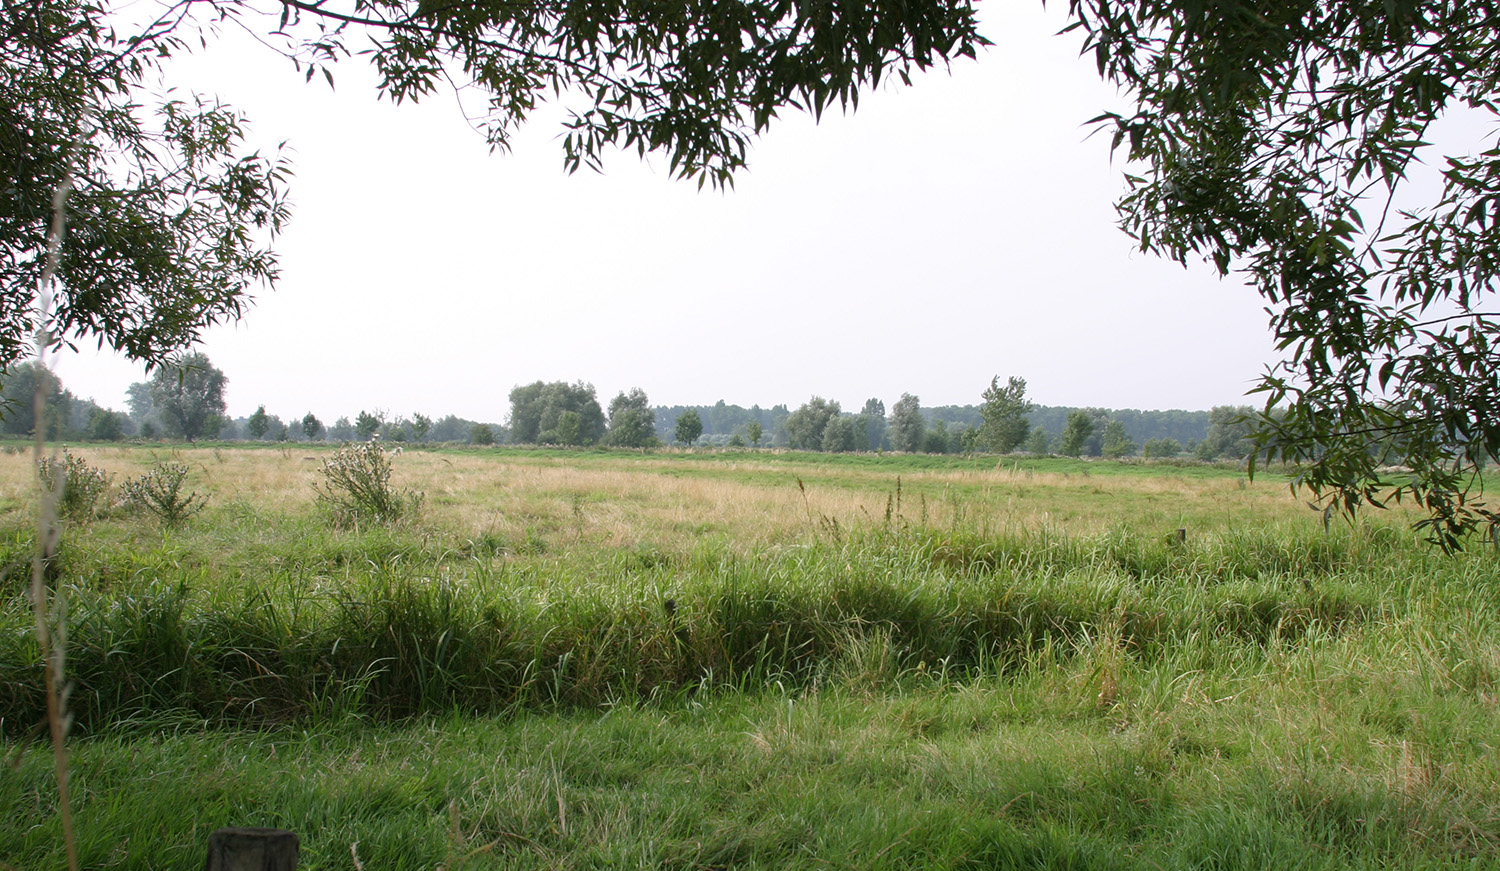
x,y
423,631
690,663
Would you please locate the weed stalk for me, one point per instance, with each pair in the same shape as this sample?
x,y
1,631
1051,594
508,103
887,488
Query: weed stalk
x,y
50,608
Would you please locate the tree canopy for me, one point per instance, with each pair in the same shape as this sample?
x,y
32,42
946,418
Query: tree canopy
x,y
188,393
688,428
805,426
168,222
1273,141
632,424
907,426
694,81
537,409
1004,413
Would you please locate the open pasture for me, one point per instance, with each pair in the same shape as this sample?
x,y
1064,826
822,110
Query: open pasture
x,y
753,660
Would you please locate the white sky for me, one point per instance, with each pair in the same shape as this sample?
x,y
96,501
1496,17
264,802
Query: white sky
x,y
946,233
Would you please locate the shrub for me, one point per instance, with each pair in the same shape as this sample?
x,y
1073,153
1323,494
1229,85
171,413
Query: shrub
x,y
160,493
82,484
357,486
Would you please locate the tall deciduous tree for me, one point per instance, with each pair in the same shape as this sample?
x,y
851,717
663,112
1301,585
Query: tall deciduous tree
x,y
138,400
632,423
1004,413
1274,140
875,423
311,426
1229,431
1117,442
689,427
18,388
536,410
367,424
804,427
1076,434
188,392
907,424
258,423
838,435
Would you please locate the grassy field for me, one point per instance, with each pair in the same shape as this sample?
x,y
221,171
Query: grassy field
x,y
756,660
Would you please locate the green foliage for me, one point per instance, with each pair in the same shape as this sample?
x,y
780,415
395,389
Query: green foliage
x,y
1038,441
82,485
356,487
1076,435
936,440
420,426
1229,433
1117,443
18,388
1162,448
536,410
311,426
689,427
160,493
169,218
481,434
804,427
632,424
105,426
874,433
694,83
838,435
907,424
366,425
258,423
188,393
1272,143
1004,413
569,428
754,432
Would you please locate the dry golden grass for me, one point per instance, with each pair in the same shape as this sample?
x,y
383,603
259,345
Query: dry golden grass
x,y
628,500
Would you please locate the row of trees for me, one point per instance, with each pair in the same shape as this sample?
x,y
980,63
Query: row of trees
x,y
185,399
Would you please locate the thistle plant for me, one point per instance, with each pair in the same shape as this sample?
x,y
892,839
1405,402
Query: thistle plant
x,y
357,487
82,485
159,492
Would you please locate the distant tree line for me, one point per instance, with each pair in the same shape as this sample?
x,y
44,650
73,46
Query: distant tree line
x,y
184,398
1006,420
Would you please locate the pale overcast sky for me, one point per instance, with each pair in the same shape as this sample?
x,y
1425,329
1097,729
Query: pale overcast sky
x,y
943,234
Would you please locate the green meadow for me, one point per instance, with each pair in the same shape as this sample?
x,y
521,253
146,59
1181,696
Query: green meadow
x,y
753,660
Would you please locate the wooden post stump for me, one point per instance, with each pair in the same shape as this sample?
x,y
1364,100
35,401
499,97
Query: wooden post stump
x,y
249,849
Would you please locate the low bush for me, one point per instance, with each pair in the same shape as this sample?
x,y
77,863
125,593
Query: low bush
x,y
356,487
82,485
159,492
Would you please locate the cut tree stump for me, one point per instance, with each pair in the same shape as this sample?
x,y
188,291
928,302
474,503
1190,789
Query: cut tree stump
x,y
249,849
